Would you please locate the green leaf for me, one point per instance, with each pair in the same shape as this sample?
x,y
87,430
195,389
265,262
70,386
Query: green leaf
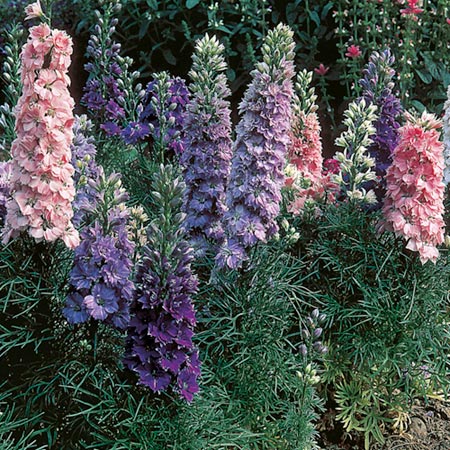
x,y
326,9
231,75
314,17
420,107
425,76
191,3
169,57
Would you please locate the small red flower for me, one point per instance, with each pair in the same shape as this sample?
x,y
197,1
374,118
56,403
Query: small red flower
x,y
412,9
448,21
353,52
321,70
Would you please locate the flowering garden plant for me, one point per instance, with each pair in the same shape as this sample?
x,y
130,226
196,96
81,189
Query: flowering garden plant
x,y
179,274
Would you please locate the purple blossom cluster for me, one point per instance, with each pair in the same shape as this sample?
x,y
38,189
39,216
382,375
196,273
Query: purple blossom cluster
x,y
86,169
377,88
99,280
208,146
257,172
162,114
159,345
5,175
103,95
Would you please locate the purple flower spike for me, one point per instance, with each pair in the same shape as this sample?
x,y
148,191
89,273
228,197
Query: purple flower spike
x,y
262,140
159,345
208,147
377,90
99,280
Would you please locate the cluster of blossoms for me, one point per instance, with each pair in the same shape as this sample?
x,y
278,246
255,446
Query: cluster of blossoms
x,y
446,132
100,285
41,181
413,207
86,168
208,146
262,142
377,88
159,345
162,115
355,163
108,92
304,173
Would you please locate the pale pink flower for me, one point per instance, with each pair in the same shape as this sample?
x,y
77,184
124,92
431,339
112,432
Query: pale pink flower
x,y
34,10
41,181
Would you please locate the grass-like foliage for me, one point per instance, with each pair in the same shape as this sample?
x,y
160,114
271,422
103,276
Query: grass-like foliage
x,y
387,317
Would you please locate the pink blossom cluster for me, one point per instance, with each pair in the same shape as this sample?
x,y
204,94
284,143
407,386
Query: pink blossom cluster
x,y
413,207
41,182
305,150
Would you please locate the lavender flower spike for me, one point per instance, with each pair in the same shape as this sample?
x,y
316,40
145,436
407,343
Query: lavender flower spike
x,y
207,155
262,140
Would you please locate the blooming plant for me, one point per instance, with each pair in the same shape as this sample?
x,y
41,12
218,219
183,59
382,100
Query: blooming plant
x,y
41,180
377,89
100,284
356,165
256,179
159,346
207,154
414,207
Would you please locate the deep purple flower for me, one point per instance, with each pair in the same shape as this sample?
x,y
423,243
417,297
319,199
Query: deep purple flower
x,y
159,345
162,116
208,147
262,139
109,94
377,89
135,132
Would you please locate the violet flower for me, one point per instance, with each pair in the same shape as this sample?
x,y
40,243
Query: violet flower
x,y
162,115
207,154
377,88
262,140
159,345
109,94
99,281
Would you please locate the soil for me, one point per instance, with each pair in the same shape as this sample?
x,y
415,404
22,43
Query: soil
x,y
427,428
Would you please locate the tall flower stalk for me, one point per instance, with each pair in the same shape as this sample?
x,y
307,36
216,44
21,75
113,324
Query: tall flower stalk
x,y
41,182
260,150
208,147
161,117
414,204
377,86
159,346
109,94
356,165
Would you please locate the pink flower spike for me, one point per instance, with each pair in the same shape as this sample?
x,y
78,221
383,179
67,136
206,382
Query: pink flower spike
x,y
321,70
33,11
353,52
